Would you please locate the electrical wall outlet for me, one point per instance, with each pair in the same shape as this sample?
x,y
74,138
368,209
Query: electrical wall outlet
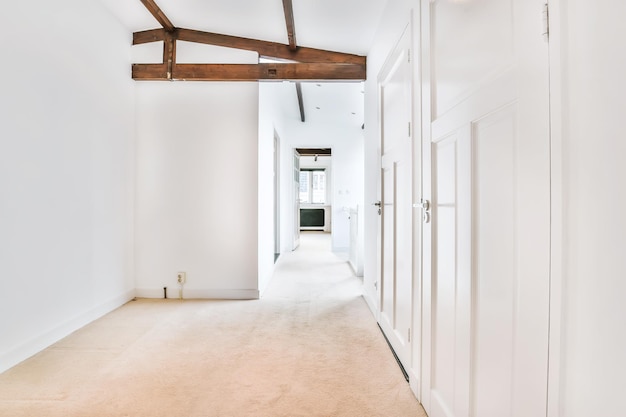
x,y
181,278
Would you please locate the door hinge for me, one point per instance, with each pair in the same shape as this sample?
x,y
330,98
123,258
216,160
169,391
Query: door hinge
x,y
409,335
545,17
409,129
408,55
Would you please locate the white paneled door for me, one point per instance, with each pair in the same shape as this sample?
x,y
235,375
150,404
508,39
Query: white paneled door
x,y
395,86
486,306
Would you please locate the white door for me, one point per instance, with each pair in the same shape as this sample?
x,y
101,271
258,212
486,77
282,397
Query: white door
x,y
296,199
395,82
487,150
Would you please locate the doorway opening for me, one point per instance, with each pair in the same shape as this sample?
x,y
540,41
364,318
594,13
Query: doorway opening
x,y
314,197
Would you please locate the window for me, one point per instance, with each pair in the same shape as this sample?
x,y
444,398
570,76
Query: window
x,y
312,186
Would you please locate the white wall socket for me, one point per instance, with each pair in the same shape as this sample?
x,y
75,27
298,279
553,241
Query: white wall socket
x,y
181,278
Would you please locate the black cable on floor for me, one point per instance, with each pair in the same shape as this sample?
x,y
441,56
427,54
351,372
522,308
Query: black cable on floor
x,y
406,376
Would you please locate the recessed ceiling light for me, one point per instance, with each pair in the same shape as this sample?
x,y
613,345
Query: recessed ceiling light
x,y
318,108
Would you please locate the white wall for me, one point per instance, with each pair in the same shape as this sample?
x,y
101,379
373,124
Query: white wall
x,y
592,91
197,187
66,171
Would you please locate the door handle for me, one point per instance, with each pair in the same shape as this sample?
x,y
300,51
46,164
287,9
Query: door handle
x,y
379,204
425,206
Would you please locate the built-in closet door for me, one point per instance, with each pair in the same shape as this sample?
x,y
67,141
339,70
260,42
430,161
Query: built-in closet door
x,y
487,153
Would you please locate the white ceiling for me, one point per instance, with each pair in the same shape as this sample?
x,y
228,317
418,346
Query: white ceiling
x,y
337,25
337,104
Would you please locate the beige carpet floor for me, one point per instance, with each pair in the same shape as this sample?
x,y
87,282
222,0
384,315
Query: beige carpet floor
x,y
309,347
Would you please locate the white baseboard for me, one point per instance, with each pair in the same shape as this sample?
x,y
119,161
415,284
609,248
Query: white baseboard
x,y
371,304
414,383
192,294
341,250
41,342
265,286
356,269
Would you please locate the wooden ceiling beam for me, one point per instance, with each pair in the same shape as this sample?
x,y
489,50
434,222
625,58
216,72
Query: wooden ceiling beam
x,y
291,25
310,64
150,72
269,49
314,151
148,36
263,48
250,72
158,14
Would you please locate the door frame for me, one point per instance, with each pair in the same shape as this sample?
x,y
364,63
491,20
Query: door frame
x,y
276,195
417,94
556,16
296,199
425,194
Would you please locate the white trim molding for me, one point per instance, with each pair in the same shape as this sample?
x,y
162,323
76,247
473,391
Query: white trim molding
x,y
38,343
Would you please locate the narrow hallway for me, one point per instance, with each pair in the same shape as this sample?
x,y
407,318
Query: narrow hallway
x,y
312,271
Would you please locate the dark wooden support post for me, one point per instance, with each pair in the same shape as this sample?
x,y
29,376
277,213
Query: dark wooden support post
x,y
169,52
291,36
291,26
300,100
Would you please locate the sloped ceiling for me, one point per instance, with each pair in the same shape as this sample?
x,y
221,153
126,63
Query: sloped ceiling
x,y
336,25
